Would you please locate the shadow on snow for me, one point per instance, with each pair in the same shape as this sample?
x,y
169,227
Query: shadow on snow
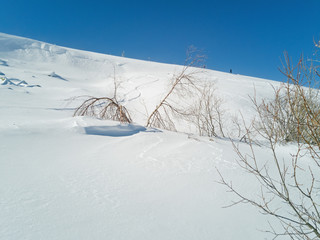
x,y
120,130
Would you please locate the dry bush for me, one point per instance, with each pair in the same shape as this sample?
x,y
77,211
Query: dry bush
x,y
188,99
294,112
289,190
240,130
275,118
207,114
191,100
104,107
183,86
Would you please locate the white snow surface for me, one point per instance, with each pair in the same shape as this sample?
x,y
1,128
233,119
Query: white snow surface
x,y
64,177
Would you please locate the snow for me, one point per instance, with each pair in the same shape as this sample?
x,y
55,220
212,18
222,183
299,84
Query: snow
x,y
64,177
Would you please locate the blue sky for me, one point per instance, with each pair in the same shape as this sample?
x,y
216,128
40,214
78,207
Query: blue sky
x,y
247,36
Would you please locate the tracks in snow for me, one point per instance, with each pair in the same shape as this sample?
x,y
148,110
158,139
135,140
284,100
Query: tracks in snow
x,y
136,93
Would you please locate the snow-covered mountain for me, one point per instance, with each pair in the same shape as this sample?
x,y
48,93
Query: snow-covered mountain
x,y
64,177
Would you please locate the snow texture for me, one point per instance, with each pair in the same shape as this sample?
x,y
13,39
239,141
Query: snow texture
x,y
83,178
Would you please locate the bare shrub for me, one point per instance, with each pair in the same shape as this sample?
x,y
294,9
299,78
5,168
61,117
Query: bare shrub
x,y
191,100
207,113
182,87
289,189
294,112
104,107
236,122
188,99
275,118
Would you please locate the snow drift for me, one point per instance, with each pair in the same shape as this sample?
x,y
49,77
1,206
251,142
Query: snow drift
x,y
83,178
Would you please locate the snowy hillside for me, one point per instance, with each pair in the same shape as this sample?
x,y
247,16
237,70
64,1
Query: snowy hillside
x,y
64,177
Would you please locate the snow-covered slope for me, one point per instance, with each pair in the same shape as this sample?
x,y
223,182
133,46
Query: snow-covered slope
x,y
64,177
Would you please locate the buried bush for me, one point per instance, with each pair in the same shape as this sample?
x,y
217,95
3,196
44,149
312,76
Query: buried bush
x,y
104,107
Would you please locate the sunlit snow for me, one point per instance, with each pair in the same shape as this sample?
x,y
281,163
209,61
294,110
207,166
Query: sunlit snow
x,y
64,177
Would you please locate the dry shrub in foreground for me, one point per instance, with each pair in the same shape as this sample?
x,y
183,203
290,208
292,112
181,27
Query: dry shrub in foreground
x,y
289,190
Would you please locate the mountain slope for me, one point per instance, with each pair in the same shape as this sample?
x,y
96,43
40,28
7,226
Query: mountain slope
x,y
82,178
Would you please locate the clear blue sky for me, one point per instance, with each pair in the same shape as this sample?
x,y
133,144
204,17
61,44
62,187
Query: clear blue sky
x,y
247,36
